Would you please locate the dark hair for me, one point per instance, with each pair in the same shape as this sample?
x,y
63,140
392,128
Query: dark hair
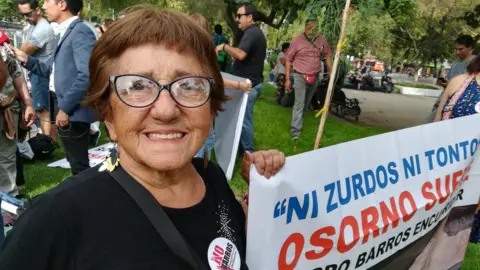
x,y
250,9
108,22
74,6
175,30
474,66
218,29
466,40
33,3
99,27
285,45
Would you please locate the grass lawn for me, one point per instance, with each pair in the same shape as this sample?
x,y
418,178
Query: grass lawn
x,y
272,131
417,85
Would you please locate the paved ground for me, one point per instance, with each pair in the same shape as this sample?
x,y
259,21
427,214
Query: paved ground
x,y
392,111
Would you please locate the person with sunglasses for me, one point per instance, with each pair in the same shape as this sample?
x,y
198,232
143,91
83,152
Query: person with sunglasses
x,y
38,43
248,63
157,94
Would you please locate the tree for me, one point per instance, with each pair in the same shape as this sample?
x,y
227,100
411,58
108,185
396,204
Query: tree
x,y
9,11
425,30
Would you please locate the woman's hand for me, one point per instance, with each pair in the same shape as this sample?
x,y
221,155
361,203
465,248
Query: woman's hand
x,y
246,86
267,163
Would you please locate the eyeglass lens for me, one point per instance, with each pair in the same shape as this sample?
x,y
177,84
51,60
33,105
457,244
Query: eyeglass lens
x,y
138,91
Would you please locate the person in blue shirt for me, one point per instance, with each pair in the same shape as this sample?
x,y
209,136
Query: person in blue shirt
x,y
219,38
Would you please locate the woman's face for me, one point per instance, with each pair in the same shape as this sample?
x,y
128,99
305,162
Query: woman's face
x,y
164,136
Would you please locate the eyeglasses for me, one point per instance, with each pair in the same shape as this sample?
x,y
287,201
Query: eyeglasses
x,y
27,14
240,15
140,91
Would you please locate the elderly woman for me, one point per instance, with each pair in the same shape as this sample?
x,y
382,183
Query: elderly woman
x,y
155,207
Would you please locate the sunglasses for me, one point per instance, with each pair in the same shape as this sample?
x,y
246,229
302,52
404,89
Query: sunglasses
x,y
28,14
240,15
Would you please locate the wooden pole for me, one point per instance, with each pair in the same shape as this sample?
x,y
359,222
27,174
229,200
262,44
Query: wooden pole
x,y
333,74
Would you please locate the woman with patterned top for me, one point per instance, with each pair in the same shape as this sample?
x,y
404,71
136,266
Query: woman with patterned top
x,y
462,98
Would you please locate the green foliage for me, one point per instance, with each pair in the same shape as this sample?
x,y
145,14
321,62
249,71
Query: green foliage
x,y
9,11
416,85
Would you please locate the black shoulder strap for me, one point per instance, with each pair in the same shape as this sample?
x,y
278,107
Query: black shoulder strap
x,y
159,219
312,41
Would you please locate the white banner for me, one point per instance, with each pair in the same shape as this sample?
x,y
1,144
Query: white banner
x,y
96,155
401,200
228,127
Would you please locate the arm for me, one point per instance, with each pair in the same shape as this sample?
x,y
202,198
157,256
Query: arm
x,y
454,84
246,44
15,72
229,84
82,44
282,60
37,67
235,52
21,86
329,63
3,73
29,48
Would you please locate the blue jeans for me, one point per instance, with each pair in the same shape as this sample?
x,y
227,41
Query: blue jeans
x,y
272,77
246,139
209,143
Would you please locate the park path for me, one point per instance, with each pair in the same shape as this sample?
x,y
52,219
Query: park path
x,y
393,111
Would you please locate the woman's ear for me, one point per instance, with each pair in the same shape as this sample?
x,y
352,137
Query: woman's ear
x,y
111,130
109,125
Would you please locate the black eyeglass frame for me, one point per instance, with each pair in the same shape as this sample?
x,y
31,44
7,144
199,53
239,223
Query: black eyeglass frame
x,y
113,82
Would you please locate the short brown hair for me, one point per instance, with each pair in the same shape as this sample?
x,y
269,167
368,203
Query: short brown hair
x,y
175,30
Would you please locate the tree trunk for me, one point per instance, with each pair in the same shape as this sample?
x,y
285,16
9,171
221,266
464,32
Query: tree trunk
x,y
229,19
415,74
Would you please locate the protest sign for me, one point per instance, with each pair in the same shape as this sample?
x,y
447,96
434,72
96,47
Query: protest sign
x,y
401,200
96,156
228,127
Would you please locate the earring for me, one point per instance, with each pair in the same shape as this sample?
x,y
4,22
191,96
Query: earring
x,y
112,159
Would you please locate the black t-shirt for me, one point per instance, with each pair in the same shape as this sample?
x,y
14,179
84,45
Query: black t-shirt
x,y
254,44
90,222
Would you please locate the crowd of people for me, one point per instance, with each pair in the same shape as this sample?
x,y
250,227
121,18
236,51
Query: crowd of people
x,y
83,74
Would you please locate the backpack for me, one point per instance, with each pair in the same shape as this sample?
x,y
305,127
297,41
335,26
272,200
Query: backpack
x,y
42,146
221,57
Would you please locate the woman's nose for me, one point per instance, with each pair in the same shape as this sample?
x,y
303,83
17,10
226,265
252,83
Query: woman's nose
x,y
165,108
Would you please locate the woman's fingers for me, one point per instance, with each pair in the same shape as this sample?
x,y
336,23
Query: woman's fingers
x,y
268,163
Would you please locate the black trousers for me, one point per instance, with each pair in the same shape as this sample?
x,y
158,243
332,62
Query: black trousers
x,y
75,141
20,176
